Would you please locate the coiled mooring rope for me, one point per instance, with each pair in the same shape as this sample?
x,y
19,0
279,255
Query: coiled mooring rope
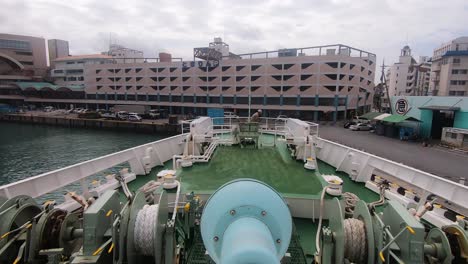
x,y
355,240
350,200
145,228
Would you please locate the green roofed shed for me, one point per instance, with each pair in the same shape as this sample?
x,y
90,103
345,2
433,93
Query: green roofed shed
x,y
399,119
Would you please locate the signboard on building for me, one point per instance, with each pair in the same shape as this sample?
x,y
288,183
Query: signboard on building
x,y
210,63
401,106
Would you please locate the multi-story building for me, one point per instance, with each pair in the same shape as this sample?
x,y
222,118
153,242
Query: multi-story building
x,y
57,48
329,83
423,77
407,77
22,57
449,71
325,83
69,70
124,54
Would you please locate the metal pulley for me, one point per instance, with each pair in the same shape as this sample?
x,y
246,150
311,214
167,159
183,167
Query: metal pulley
x,y
16,215
71,234
46,233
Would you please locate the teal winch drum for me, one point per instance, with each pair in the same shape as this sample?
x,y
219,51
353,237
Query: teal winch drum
x,y
246,221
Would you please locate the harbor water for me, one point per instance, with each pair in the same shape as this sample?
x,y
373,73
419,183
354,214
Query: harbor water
x,y
28,150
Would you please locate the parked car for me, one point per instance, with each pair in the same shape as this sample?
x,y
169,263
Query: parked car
x,y
361,127
108,115
134,117
48,109
154,114
122,115
349,123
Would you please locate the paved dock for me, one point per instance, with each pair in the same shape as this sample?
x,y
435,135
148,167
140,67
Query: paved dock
x,y
435,160
71,120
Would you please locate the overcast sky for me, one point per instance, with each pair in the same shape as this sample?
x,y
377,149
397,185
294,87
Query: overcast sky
x,y
177,26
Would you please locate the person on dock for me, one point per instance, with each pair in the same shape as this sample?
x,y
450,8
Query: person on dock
x,y
256,116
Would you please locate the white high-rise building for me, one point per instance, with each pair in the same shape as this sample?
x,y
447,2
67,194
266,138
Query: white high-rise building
x,y
408,77
449,72
125,55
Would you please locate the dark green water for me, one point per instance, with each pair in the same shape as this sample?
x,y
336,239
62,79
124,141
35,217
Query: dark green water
x,y
28,150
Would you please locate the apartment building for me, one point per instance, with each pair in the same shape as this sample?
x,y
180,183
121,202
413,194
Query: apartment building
x,y
449,71
407,76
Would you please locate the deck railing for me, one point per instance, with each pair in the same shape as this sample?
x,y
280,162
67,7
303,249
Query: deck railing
x,y
154,153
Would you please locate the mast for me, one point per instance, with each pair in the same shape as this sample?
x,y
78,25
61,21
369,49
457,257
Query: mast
x,y
383,80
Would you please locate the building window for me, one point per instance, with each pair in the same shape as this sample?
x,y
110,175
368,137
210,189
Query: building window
x,y
76,71
14,44
456,60
26,53
453,82
463,71
454,71
70,62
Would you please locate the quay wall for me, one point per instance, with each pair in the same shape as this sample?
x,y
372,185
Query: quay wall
x,y
144,127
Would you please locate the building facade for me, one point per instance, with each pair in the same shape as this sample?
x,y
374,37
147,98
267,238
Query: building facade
x,y
22,56
326,83
449,71
408,77
57,49
435,112
69,70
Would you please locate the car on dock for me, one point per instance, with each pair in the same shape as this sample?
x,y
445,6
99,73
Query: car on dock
x,y
122,115
361,127
108,115
154,114
134,117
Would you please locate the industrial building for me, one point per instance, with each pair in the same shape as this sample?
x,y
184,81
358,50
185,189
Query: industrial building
x,y
434,112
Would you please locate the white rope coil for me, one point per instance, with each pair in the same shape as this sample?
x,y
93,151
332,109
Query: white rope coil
x,y
355,240
145,227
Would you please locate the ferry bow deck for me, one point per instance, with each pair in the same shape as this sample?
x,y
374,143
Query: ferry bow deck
x,y
277,176
272,165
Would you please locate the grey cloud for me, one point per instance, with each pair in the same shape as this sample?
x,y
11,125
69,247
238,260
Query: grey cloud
x,y
177,26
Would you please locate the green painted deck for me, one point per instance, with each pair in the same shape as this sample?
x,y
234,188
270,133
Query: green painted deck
x,y
268,165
